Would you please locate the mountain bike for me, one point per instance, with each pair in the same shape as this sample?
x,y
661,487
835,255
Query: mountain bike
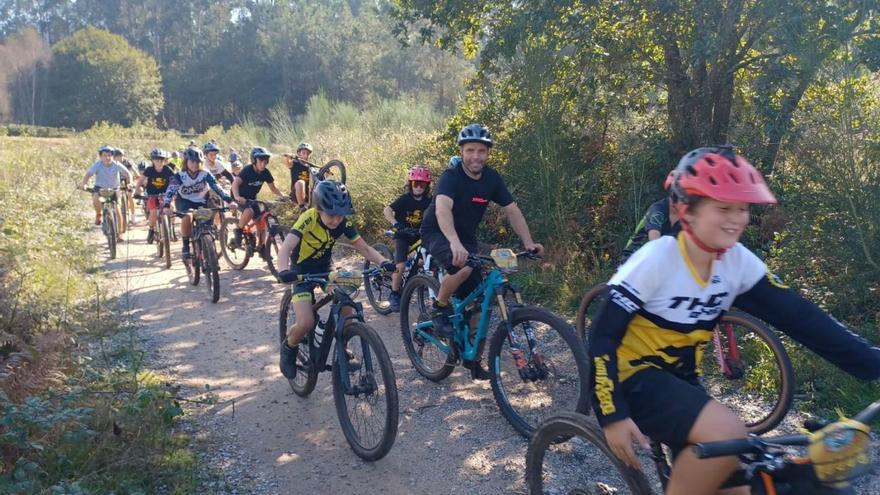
x,y
378,287
262,235
162,231
364,385
536,363
204,251
569,454
745,365
334,169
108,196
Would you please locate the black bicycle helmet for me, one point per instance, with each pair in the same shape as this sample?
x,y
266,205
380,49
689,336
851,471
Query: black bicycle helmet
x,y
475,133
194,154
259,152
209,147
158,154
333,198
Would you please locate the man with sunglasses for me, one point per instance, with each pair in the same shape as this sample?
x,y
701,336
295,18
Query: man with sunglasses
x,y
449,230
405,214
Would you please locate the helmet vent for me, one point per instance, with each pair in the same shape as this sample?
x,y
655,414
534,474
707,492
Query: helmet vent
x,y
691,170
733,178
710,161
713,181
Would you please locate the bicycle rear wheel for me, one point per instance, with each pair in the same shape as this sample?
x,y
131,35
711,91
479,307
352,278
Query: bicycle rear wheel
x,y
568,455
211,266
236,258
334,169
758,384
588,310
378,287
430,361
553,381
368,414
306,375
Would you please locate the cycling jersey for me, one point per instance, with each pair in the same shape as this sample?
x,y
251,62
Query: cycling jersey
x,y
252,181
408,210
656,218
218,169
158,180
299,171
194,189
659,314
312,253
109,176
470,198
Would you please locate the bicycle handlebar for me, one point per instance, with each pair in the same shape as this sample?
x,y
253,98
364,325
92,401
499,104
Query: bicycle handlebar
x,y
405,231
325,277
483,259
756,445
220,208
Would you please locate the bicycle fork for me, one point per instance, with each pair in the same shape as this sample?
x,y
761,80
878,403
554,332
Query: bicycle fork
x,y
728,359
535,369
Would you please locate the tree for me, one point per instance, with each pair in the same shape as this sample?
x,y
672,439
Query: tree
x,y
23,56
97,75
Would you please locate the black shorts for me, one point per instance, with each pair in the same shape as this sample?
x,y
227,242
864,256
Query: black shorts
x,y
255,207
402,244
664,406
438,245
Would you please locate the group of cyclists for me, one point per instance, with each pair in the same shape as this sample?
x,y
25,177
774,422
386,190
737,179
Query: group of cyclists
x,y
682,270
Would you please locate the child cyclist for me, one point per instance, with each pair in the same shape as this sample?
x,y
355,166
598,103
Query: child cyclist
x,y
156,180
108,174
405,214
308,246
661,307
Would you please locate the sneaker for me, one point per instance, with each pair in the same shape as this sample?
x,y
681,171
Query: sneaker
x,y
440,318
477,370
288,360
151,235
394,301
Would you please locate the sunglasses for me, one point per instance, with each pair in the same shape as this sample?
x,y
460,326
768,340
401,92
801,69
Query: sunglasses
x,y
417,183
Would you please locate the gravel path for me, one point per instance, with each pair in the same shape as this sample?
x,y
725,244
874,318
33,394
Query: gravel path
x,y
259,438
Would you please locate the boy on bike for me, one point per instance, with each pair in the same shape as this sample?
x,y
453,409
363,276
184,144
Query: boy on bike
x,y
662,305
660,219
449,230
405,215
213,163
299,173
156,179
247,185
307,249
108,174
189,190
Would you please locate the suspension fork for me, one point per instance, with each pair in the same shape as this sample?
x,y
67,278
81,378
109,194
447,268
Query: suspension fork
x,y
728,357
536,356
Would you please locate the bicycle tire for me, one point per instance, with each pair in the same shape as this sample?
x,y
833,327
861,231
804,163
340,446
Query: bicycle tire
x,y
270,250
111,232
124,204
339,172
166,239
567,363
424,285
306,377
567,425
586,310
211,266
784,394
379,357
193,268
227,228
379,285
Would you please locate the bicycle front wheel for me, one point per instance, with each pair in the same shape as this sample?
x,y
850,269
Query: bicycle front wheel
x,y
334,169
236,258
368,412
429,359
306,375
274,238
110,229
568,455
588,310
551,377
378,287
166,239
745,367
211,267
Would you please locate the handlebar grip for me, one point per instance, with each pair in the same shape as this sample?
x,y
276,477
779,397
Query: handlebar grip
x,y
725,448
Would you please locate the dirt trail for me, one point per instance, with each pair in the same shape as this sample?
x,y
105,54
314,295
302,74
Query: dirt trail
x,y
452,438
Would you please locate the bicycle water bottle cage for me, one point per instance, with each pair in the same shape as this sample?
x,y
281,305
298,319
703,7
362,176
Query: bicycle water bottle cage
x,y
505,260
841,451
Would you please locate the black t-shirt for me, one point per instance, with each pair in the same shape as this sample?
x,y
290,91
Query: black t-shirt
x,y
470,198
252,181
299,171
157,181
656,218
409,211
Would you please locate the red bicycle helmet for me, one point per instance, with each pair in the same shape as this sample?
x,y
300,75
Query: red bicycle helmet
x,y
720,174
419,173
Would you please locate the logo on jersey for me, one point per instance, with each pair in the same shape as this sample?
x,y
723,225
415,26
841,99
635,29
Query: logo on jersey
x,y
414,218
481,201
698,307
624,302
716,279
